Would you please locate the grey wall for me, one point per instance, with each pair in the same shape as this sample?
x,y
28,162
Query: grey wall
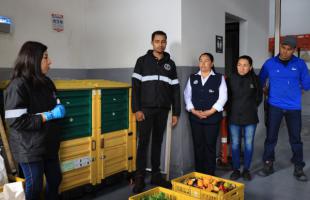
x,y
66,74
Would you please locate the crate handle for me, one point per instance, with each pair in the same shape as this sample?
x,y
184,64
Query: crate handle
x,y
102,143
234,194
93,145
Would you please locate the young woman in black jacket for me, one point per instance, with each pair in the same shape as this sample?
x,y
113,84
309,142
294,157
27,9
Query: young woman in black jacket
x,y
244,96
31,108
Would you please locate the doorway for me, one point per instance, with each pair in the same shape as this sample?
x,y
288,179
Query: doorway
x,y
232,39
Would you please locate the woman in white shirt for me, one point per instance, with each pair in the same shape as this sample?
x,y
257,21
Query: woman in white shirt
x,y
205,96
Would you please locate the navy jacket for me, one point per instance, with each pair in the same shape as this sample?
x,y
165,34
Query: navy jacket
x,y
204,96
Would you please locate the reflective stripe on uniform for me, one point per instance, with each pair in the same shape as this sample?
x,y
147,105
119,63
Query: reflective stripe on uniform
x,y
15,113
155,78
175,82
149,78
137,76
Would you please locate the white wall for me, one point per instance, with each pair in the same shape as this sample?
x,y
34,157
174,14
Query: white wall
x,y
294,20
204,19
118,32
32,21
114,33
294,17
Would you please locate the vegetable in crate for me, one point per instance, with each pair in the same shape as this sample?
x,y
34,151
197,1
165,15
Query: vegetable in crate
x,y
159,196
209,184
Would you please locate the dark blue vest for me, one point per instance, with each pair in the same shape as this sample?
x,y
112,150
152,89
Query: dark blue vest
x,y
205,96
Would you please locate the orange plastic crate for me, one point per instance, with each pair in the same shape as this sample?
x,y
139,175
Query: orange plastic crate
x,y
235,194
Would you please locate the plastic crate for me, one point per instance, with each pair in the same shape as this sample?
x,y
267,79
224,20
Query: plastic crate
x,y
235,194
169,194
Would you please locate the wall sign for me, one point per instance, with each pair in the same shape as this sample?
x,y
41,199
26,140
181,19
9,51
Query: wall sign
x,y
219,44
57,22
5,24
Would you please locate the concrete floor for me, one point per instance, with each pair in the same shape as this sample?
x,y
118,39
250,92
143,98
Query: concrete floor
x,y
279,186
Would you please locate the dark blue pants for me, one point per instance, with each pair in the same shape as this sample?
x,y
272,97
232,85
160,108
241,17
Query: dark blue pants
x,y
293,122
33,173
205,139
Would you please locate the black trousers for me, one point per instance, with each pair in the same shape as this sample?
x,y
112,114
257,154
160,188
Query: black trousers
x,y
205,139
154,125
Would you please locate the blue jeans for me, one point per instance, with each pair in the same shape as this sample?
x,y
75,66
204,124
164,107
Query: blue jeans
x,y
235,134
293,122
33,173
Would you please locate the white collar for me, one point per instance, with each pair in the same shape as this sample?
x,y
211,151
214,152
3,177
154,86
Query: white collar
x,y
211,73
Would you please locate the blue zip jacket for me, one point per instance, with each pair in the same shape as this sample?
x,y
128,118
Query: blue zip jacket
x,y
285,82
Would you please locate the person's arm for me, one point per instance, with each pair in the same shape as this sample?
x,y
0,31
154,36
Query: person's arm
x,y
220,103
16,103
305,78
188,96
188,101
263,75
136,86
176,101
259,97
229,95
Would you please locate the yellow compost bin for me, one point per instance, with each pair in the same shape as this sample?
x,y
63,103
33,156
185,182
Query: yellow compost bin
x,y
98,133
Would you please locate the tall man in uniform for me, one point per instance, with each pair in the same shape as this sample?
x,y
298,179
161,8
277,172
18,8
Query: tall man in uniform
x,y
288,76
155,88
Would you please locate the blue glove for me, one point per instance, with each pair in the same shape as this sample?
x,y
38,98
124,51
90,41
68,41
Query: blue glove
x,y
58,112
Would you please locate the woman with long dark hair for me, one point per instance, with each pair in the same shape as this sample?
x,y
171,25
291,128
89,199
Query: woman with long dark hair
x,y
31,113
205,95
244,96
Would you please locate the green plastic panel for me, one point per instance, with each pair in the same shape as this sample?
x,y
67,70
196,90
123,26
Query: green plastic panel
x,y
78,120
114,110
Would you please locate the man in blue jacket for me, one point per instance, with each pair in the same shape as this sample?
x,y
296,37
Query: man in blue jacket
x,y
288,76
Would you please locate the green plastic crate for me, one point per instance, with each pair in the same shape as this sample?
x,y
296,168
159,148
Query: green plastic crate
x,y
114,110
78,120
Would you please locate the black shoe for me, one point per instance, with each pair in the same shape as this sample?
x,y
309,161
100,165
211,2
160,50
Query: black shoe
x,y
299,174
246,175
235,175
158,180
268,168
139,184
